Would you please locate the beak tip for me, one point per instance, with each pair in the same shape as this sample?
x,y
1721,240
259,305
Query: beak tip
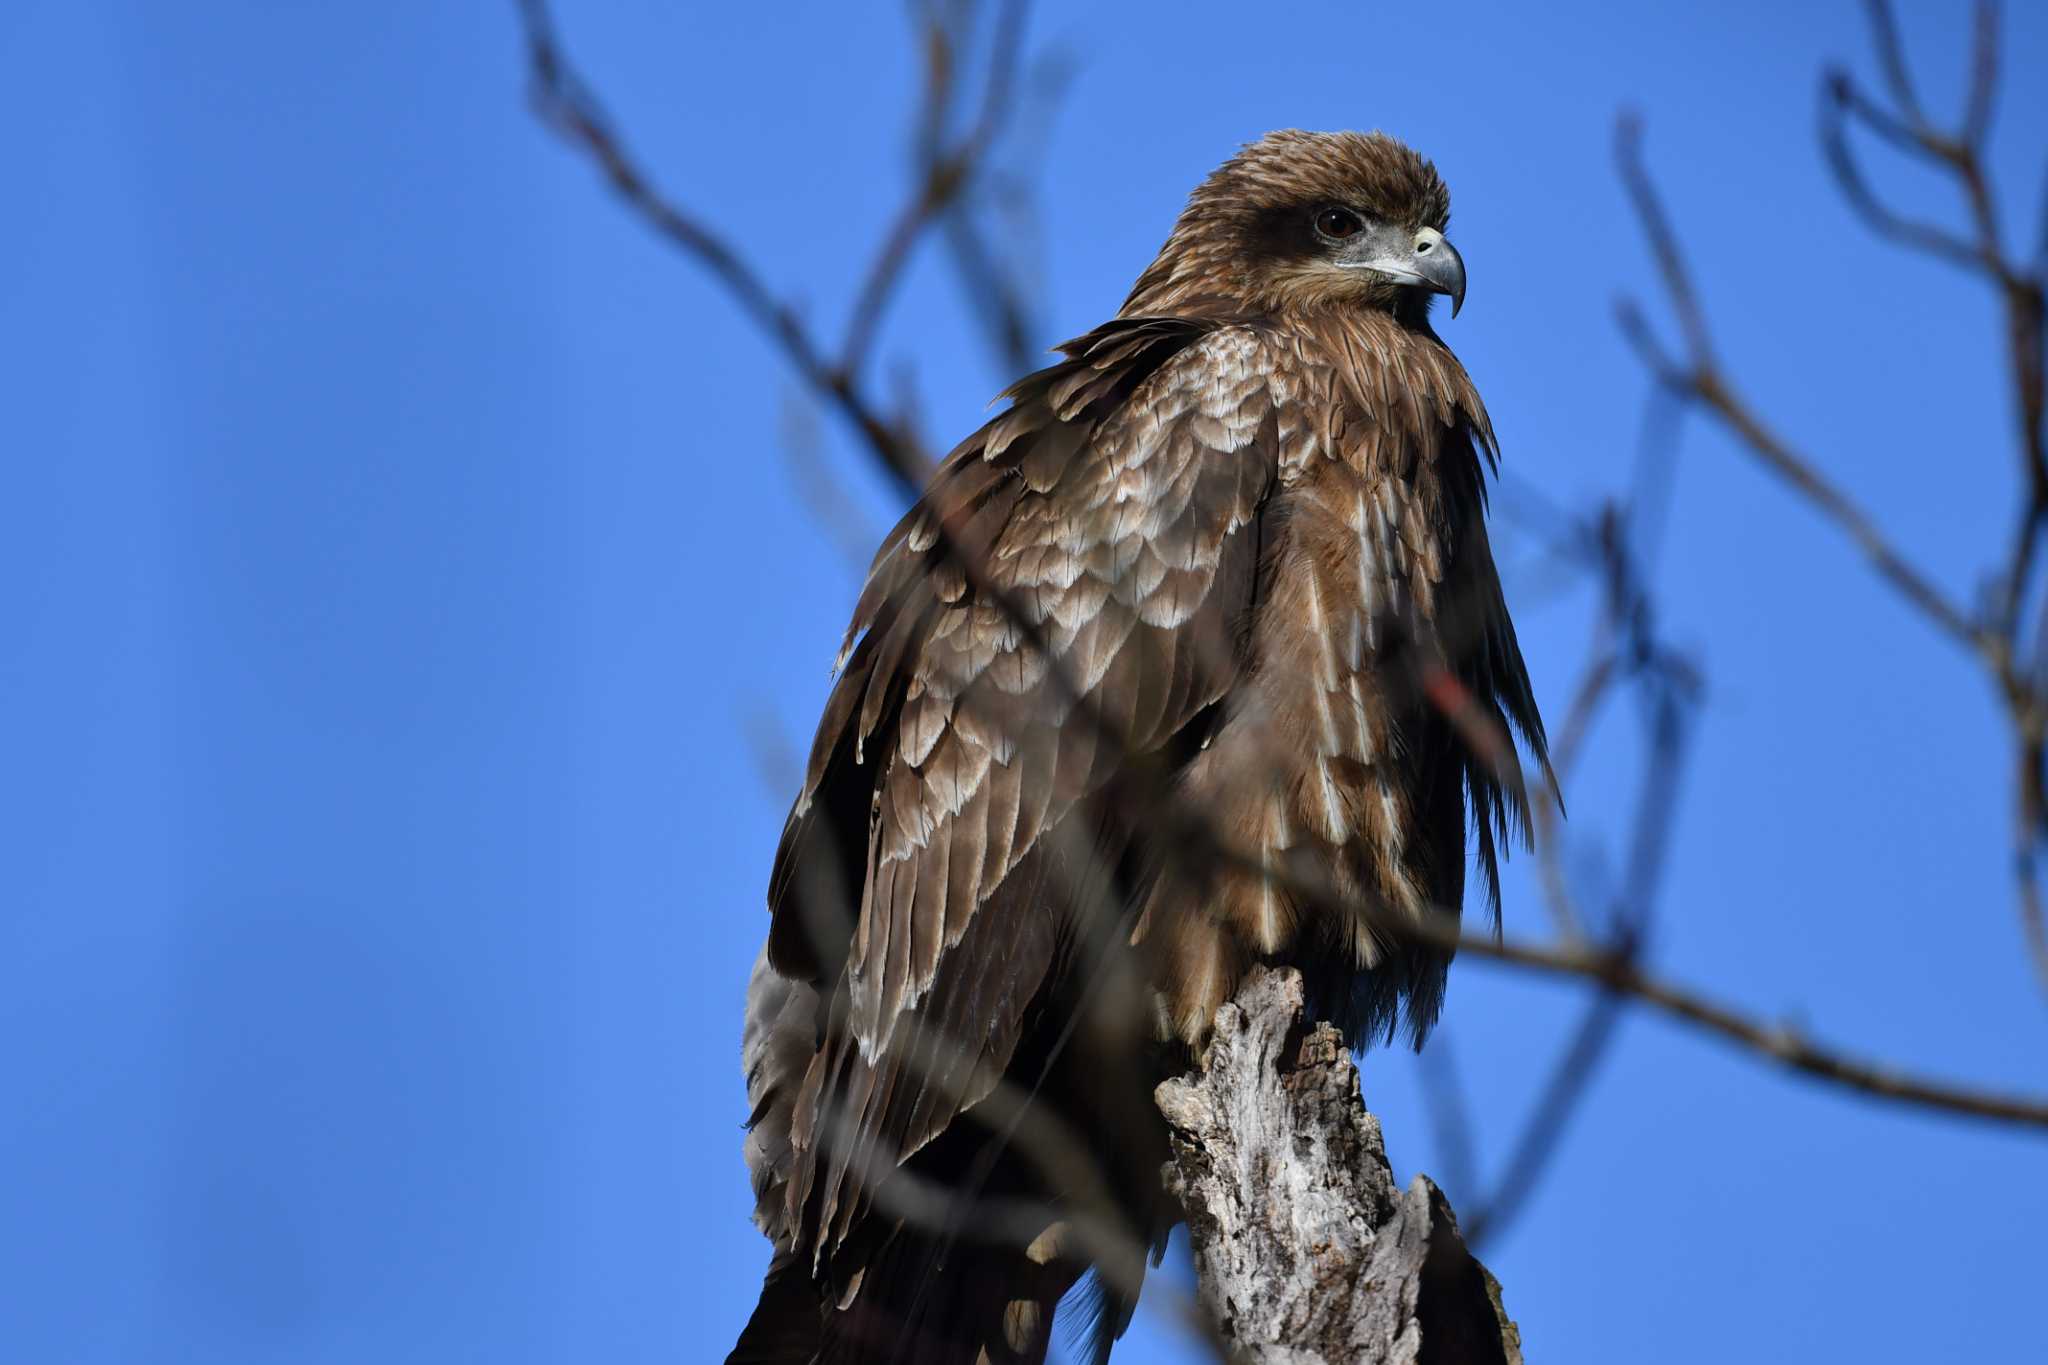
x,y
1443,268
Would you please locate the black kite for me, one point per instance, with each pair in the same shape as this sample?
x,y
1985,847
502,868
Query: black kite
x,y
1149,685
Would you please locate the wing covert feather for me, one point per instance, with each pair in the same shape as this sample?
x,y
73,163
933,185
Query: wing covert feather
x,y
1114,504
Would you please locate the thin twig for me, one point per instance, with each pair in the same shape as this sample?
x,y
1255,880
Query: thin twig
x,y
825,496
1614,970
1608,967
1594,683
1996,641
1569,1082
1960,155
1841,99
1782,1043
1004,313
945,176
1700,377
1450,1118
1665,682
1891,56
1628,140
565,104
1983,75
2030,815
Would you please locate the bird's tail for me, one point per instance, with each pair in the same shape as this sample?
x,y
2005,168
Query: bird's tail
x,y
921,1301
787,1327
938,1300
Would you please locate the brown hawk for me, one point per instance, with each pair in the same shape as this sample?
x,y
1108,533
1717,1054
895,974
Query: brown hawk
x,y
1149,686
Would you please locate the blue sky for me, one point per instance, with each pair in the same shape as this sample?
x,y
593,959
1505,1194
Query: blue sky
x,y
401,557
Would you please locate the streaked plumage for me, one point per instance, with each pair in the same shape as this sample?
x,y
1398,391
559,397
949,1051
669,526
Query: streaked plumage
x,y
1242,523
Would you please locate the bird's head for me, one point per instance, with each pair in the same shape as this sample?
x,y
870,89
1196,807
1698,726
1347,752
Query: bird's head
x,y
1306,220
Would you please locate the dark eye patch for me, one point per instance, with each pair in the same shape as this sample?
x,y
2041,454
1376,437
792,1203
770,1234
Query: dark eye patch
x,y
1291,231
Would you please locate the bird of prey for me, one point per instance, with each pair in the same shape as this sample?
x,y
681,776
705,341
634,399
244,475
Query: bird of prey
x,y
1192,658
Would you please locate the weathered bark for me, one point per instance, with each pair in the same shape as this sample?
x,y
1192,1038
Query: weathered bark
x,y
1306,1251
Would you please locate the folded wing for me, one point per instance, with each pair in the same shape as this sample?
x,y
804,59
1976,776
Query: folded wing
x,y
930,867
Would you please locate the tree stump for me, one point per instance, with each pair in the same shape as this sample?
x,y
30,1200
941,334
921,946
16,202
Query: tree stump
x,y
1306,1251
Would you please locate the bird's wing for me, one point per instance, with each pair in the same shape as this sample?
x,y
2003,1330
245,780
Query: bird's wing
x,y
922,876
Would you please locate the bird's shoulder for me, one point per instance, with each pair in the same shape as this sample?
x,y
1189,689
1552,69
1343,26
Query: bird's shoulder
x,y
1131,414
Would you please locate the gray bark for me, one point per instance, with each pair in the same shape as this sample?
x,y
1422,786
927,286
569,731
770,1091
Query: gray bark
x,y
1306,1251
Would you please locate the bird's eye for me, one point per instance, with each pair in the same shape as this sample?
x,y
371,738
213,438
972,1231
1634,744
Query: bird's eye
x,y
1338,223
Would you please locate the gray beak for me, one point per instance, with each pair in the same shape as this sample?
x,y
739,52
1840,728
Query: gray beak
x,y
1424,257
1440,266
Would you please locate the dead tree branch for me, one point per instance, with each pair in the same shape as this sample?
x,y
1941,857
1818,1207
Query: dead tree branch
x,y
1305,1249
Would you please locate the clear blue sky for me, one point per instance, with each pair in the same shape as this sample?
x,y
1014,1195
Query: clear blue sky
x,y
399,551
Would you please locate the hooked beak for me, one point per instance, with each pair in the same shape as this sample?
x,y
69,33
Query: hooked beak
x,y
1425,258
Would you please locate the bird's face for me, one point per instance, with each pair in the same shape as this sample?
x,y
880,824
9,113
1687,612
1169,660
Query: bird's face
x,y
1316,220
1381,259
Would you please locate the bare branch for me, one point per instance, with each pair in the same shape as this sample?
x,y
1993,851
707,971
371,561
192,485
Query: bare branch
x,y
825,495
1450,1118
1592,691
1611,968
2040,259
1782,1043
1701,378
1807,480
992,284
1842,98
1003,311
1624,650
946,174
1891,56
565,104
1547,1123
1958,155
1983,76
1628,141
2030,818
